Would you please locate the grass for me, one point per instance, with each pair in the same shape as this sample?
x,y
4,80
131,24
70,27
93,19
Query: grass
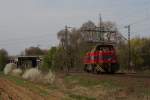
x,y
78,87
43,90
142,91
1,73
78,97
0,97
110,84
81,81
17,80
90,82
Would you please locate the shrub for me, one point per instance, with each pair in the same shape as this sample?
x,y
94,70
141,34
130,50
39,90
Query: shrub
x,y
3,58
16,72
49,77
32,74
9,67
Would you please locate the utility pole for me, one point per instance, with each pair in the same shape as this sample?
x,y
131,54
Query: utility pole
x,y
67,48
129,45
66,37
100,21
100,28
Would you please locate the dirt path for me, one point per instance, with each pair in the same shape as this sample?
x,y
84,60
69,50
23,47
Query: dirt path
x,y
11,91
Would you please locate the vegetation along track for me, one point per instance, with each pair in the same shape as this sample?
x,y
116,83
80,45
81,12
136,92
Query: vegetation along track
x,y
131,75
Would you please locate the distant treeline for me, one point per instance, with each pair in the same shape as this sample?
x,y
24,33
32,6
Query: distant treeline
x,y
73,45
140,54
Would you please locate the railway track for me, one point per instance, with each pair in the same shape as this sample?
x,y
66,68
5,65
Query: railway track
x,y
123,75
131,75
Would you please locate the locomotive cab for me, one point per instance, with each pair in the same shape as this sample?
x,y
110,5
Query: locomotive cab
x,y
102,58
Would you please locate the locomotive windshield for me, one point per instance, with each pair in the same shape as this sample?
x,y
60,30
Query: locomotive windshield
x,y
104,48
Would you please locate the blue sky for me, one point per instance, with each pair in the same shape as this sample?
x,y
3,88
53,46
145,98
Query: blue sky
x,y
25,23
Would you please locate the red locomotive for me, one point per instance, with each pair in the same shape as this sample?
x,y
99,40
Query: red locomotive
x,y
102,58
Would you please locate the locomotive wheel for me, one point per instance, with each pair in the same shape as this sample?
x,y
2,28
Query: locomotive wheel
x,y
111,69
97,69
106,68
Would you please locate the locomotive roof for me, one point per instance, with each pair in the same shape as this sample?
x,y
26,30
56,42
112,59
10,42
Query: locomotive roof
x,y
104,45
